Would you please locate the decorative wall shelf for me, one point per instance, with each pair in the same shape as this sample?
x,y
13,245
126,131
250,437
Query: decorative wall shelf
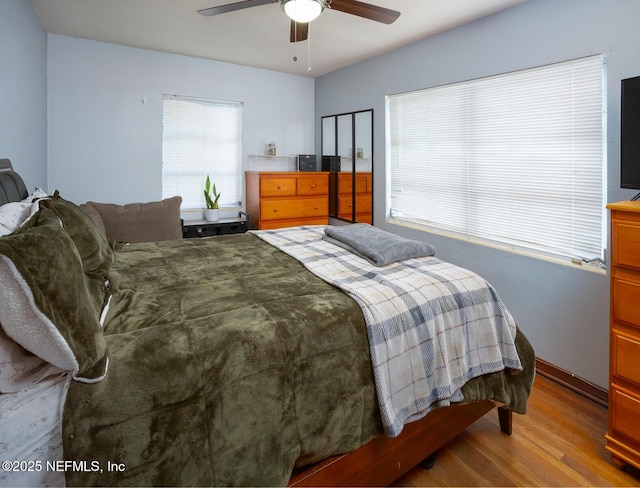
x,y
264,162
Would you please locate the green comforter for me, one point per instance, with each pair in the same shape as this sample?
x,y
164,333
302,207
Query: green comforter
x,y
230,364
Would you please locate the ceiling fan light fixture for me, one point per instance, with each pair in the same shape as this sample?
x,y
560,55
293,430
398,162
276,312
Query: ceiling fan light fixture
x,y
302,10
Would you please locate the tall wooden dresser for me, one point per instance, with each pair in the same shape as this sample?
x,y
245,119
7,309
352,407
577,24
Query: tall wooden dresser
x,y
623,436
286,199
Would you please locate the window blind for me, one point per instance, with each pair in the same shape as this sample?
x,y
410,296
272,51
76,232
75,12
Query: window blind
x,y
201,137
516,158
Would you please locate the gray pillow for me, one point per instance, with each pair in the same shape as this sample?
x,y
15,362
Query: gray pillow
x,y
44,302
377,246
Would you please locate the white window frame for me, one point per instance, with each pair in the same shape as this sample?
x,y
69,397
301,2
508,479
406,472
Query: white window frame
x,y
201,137
517,159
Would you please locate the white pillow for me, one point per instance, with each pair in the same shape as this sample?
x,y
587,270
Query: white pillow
x,y
14,214
37,193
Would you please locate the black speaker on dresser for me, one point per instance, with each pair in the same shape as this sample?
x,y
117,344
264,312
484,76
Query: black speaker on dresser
x,y
307,162
331,163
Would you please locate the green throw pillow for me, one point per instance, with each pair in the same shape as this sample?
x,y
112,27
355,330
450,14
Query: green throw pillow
x,y
94,248
44,300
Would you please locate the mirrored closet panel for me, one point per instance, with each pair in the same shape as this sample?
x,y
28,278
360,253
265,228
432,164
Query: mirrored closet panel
x,y
347,153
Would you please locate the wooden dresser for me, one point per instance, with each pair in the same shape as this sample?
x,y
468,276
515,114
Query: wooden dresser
x,y
623,437
363,195
286,199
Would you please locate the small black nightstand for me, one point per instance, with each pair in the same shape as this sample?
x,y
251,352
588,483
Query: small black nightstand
x,y
204,228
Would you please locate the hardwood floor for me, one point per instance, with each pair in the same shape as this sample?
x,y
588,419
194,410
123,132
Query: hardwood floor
x,y
559,442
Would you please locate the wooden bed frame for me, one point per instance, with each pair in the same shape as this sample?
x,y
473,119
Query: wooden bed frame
x,y
385,459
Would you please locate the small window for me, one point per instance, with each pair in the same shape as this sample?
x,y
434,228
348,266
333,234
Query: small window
x,y
201,137
516,159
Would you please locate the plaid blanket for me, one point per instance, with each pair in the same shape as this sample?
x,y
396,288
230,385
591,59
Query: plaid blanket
x,y
432,325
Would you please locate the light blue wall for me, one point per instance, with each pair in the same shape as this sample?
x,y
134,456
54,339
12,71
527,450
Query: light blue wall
x,y
23,91
563,310
105,114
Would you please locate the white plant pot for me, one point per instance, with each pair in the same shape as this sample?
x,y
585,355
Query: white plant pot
x,y
212,215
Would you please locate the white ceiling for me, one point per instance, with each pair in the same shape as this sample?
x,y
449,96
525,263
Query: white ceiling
x,y
257,36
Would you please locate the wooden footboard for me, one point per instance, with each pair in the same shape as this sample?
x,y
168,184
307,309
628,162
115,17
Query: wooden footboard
x,y
385,459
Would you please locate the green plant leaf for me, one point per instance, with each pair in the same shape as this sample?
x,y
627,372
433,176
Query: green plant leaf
x,y
211,203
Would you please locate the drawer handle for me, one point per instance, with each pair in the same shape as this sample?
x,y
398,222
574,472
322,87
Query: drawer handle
x,y
279,188
313,186
275,210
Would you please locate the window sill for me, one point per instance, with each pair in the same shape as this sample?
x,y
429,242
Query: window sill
x,y
198,214
501,247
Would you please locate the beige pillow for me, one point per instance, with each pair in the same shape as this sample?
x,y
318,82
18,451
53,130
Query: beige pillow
x,y
93,214
142,222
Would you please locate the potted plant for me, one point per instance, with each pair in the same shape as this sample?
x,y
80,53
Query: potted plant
x,y
211,197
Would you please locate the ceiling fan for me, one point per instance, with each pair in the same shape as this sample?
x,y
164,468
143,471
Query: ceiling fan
x,y
301,12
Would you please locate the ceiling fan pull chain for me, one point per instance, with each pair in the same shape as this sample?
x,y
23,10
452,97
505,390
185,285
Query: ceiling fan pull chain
x,y
309,49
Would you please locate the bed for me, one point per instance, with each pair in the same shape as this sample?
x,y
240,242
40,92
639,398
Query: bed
x,y
231,360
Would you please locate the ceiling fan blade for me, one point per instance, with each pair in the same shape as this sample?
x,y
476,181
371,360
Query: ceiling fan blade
x,y
299,31
230,7
366,10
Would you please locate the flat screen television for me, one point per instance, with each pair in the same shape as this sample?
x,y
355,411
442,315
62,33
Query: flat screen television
x,y
630,134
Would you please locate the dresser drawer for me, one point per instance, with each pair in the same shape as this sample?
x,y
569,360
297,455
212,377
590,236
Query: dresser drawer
x,y
313,185
291,208
369,183
280,186
279,224
626,247
627,406
363,204
626,358
626,301
345,183
278,199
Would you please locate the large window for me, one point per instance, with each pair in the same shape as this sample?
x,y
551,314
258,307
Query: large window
x,y
201,137
517,159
